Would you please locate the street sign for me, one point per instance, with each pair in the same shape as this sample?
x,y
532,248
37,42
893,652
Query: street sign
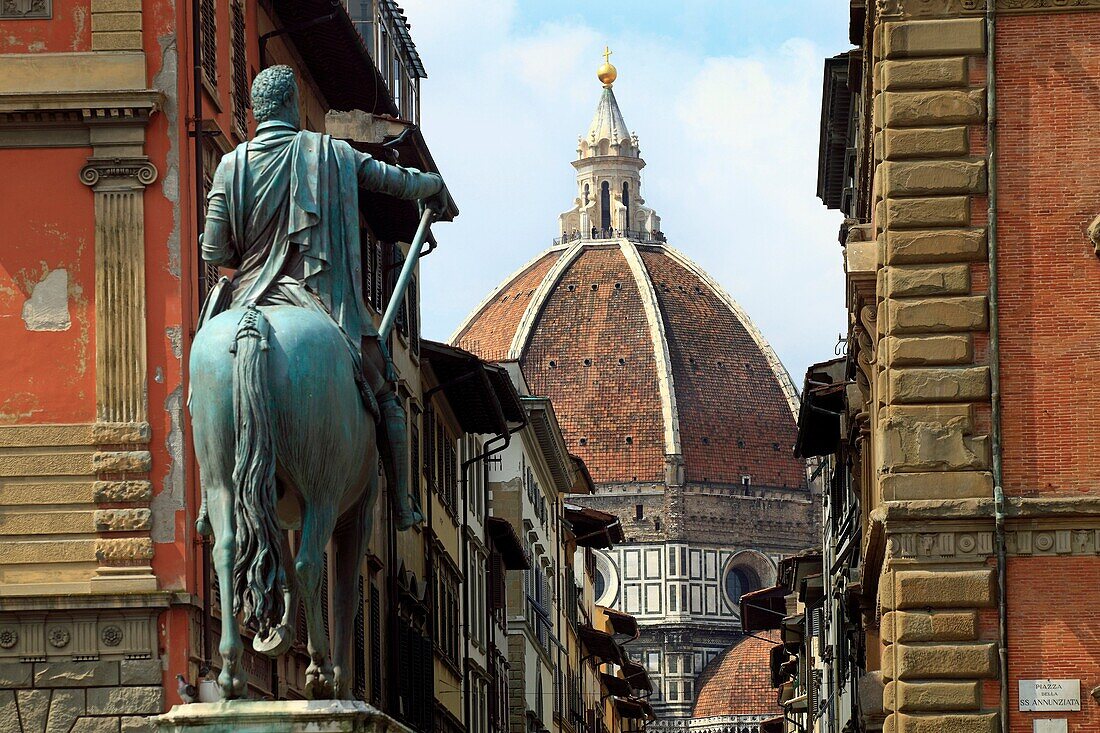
x,y
1050,694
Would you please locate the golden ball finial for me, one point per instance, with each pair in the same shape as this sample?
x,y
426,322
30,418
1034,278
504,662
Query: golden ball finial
x,y
607,73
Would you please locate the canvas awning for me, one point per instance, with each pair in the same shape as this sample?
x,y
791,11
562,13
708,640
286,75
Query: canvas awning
x,y
764,609
600,644
592,527
507,543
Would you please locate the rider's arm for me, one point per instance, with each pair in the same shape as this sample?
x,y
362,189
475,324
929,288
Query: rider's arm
x,y
402,183
217,240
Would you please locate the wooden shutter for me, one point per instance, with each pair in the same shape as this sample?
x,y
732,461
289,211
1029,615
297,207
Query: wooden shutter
x,y
208,30
324,593
360,650
496,581
240,69
375,645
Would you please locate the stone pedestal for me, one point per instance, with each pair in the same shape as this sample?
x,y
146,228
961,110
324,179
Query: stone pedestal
x,y
278,716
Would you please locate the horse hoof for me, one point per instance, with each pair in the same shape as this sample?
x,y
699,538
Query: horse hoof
x,y
277,643
318,688
232,686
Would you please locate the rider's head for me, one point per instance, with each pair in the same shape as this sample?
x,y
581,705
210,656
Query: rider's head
x,y
275,95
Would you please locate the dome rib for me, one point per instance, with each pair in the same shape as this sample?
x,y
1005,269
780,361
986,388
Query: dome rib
x,y
660,346
784,378
538,300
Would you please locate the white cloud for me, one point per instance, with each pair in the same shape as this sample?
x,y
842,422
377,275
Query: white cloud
x,y
730,142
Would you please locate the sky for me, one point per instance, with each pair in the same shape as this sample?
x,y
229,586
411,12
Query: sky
x,y
725,98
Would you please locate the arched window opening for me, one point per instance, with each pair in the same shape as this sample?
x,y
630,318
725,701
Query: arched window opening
x,y
626,203
739,581
605,206
586,193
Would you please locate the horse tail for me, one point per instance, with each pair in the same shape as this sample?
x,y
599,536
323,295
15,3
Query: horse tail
x,y
259,541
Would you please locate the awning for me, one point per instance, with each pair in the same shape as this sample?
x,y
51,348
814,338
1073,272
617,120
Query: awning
x,y
507,543
764,609
793,632
601,644
583,483
479,397
779,665
634,709
812,590
621,623
636,675
772,725
823,402
617,686
592,527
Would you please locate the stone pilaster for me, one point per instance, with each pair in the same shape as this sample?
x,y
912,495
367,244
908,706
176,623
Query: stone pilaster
x,y
118,184
931,382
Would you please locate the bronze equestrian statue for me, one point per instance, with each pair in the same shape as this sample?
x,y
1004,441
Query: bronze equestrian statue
x,y
292,390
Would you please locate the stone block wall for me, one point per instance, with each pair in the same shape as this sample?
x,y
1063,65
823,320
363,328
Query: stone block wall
x,y
80,697
929,374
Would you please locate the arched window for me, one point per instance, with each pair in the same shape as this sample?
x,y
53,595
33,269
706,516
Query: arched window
x,y
605,206
626,203
739,581
586,192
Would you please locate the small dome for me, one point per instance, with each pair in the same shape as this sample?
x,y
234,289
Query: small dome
x,y
738,681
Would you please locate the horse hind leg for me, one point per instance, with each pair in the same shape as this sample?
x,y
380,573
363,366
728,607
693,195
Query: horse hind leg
x,y
350,545
281,638
232,677
317,526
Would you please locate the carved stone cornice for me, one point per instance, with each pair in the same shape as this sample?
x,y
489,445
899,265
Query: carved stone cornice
x,y
118,172
115,107
975,545
916,9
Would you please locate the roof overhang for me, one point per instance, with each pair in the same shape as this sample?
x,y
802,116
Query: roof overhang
x,y
544,424
480,394
507,543
594,528
616,686
823,403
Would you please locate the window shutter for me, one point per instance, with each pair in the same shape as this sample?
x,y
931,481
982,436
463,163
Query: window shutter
x,y
376,645
324,593
496,581
208,30
360,650
240,70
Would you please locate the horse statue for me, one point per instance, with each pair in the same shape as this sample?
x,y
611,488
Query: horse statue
x,y
292,387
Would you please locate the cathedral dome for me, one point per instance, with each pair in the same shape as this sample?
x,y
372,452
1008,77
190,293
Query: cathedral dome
x,y
656,374
649,364
738,682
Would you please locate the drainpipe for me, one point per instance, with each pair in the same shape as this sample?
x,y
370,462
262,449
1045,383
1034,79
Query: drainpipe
x,y
995,357
200,220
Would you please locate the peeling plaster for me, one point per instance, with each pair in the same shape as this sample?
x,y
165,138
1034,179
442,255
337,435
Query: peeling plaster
x,y
47,309
166,81
80,17
171,498
175,338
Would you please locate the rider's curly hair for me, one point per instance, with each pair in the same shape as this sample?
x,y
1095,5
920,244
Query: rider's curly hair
x,y
272,89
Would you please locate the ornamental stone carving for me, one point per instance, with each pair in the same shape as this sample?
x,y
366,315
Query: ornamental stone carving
x,y
25,9
127,170
59,637
111,635
9,637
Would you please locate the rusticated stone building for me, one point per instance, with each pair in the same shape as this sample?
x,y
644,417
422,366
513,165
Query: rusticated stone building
x,y
678,406
960,140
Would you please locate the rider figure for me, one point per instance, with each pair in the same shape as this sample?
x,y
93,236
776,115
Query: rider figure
x,y
283,211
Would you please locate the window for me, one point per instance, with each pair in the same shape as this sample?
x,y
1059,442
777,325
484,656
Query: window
x,y
605,206
447,617
626,203
746,480
208,31
739,581
638,512
239,58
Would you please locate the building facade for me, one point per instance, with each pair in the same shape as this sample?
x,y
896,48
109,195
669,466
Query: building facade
x,y
958,138
116,113
677,405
